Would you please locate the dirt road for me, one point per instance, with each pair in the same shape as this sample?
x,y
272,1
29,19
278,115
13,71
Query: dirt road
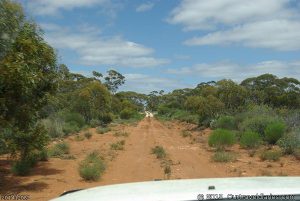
x,y
190,158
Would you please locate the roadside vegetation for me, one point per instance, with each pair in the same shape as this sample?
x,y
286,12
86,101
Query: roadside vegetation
x,y
159,152
165,162
119,145
185,133
121,134
259,111
224,157
92,167
103,130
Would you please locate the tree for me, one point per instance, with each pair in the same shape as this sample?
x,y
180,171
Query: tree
x,y
114,80
97,75
92,101
28,75
231,94
270,90
11,21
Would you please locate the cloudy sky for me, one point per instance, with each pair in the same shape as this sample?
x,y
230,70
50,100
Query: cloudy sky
x,y
169,44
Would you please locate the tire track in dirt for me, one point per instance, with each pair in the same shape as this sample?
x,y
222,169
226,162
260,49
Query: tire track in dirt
x,y
135,163
187,158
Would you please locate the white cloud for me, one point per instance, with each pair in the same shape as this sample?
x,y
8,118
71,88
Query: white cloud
x,y
94,49
257,23
144,7
237,72
146,83
203,14
281,35
53,7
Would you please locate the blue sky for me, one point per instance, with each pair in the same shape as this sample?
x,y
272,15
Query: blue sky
x,y
169,44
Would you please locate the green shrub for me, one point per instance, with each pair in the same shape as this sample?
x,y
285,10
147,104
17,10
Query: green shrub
x,y
167,170
88,135
185,133
121,134
118,145
3,146
257,124
221,138
274,131
54,127
102,130
59,150
223,157
289,143
95,122
297,154
185,116
70,127
78,138
250,139
21,168
270,155
74,118
127,113
33,159
68,157
192,118
159,151
106,118
225,122
92,167
43,155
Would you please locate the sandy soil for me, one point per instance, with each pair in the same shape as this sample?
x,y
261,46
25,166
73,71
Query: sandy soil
x,y
190,157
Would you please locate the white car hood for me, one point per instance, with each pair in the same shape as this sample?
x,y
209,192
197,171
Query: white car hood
x,y
187,189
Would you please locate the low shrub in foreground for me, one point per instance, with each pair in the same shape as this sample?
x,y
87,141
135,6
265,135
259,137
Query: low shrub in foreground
x,y
221,138
95,122
270,155
225,122
102,130
185,133
274,131
224,157
21,168
43,155
70,128
159,151
59,149
118,145
88,135
297,154
121,134
78,138
92,167
167,171
289,143
250,139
